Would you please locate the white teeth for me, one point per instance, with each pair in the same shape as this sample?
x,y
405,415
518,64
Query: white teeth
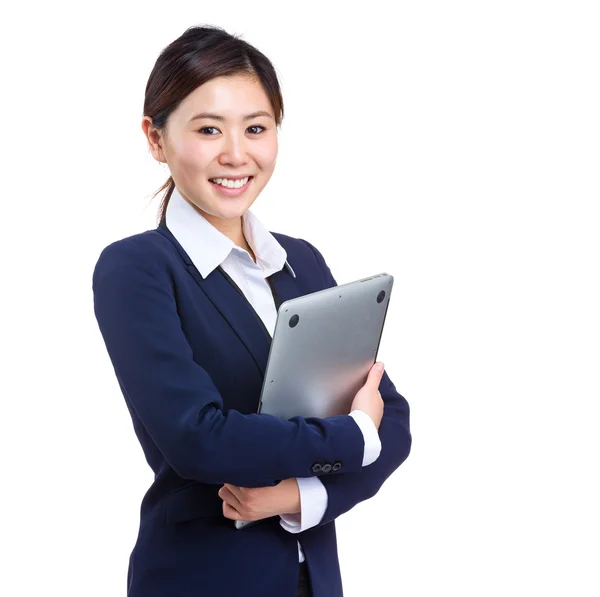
x,y
230,184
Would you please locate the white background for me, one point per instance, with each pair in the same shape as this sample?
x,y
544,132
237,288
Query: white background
x,y
454,145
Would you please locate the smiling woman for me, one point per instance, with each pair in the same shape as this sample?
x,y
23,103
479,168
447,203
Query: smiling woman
x,y
187,312
215,127
233,142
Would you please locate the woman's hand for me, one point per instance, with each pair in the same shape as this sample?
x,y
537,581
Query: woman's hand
x,y
256,503
368,398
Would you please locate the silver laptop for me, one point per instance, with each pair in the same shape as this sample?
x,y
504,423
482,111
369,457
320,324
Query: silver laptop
x,y
323,347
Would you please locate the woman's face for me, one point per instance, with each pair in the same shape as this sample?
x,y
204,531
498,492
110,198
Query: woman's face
x,y
224,128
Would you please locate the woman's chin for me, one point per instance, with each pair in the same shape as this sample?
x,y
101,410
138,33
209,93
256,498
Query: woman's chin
x,y
230,210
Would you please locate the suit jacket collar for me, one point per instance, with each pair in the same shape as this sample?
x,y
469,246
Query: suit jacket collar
x,y
234,307
208,247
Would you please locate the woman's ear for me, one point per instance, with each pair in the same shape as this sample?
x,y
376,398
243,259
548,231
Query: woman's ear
x,y
155,140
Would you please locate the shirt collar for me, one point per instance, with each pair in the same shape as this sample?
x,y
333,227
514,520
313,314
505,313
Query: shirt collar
x,y
207,247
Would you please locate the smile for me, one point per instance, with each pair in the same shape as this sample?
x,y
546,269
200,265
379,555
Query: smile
x,y
230,187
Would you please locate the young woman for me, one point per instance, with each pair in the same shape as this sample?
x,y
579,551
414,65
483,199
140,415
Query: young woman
x,y
187,312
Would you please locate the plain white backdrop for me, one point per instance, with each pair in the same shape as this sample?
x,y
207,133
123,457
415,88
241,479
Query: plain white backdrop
x,y
455,145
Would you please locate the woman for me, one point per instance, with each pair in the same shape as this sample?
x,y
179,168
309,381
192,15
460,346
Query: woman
x,y
187,312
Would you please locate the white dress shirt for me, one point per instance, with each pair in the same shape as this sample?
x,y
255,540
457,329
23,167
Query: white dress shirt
x,y
208,248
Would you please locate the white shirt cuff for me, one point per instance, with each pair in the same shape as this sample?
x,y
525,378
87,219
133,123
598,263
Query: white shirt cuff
x,y
313,503
370,435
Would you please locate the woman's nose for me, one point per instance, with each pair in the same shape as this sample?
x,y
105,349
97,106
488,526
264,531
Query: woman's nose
x,y
233,150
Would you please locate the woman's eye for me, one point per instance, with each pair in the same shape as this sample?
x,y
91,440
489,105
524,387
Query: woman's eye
x,y
208,128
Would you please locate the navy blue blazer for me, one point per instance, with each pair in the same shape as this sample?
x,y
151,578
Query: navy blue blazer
x,y
189,354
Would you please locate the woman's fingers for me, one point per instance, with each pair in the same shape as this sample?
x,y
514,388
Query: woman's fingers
x,y
228,496
230,512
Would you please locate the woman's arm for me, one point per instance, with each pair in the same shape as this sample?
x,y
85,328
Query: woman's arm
x,y
176,400
346,490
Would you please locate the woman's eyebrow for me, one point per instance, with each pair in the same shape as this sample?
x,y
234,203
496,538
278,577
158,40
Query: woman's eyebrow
x,y
213,116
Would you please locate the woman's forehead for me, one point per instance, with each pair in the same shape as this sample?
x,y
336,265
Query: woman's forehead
x,y
234,98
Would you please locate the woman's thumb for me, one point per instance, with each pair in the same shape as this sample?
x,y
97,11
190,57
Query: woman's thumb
x,y
379,366
375,374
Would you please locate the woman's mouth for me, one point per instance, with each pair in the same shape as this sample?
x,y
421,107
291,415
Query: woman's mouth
x,y
231,187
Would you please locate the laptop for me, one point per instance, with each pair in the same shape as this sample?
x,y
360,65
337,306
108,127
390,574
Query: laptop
x,y
324,345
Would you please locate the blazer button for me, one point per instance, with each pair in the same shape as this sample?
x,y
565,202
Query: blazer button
x,y
326,468
316,468
337,466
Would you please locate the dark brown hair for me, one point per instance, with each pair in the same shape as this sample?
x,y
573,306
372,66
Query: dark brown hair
x,y
197,56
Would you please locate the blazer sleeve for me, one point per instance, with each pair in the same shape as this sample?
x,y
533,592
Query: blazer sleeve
x,y
177,402
348,488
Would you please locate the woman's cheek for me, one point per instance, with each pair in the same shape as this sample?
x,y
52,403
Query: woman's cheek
x,y
267,155
193,156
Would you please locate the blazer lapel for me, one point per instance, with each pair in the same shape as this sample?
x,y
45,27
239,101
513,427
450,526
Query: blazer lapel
x,y
230,301
284,286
